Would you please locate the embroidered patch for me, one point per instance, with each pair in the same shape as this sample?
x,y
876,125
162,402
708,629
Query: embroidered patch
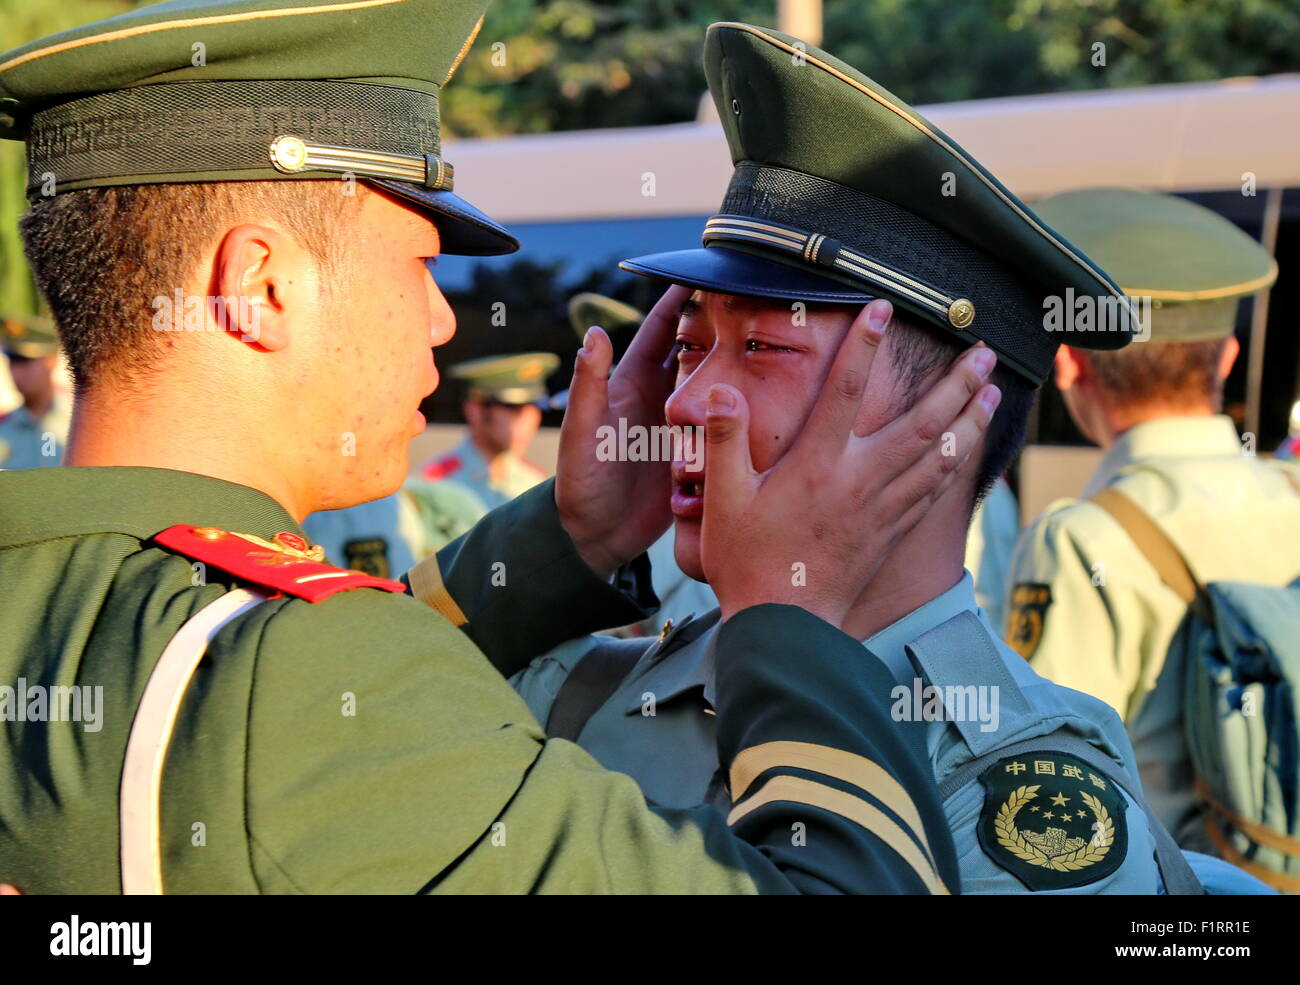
x,y
1052,821
1029,604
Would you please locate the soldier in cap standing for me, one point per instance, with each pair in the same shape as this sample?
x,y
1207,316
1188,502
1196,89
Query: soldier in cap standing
x,y
487,467
32,435
1087,607
234,248
502,410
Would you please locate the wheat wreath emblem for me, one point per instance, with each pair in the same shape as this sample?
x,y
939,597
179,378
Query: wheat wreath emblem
x,y
1013,839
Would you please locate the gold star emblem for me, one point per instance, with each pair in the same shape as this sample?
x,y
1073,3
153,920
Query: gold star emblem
x,y
1048,814
1059,800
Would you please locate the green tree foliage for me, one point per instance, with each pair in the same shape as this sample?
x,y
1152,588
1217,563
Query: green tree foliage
x,y
544,65
22,21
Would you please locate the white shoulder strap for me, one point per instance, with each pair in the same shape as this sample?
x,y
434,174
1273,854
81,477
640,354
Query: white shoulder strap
x,y
151,734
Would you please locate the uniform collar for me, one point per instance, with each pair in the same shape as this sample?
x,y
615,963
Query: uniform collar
x,y
889,644
20,416
677,664
471,461
39,504
1177,437
682,660
477,468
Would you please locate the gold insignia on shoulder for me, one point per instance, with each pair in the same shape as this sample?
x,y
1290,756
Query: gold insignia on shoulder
x,y
284,549
1027,615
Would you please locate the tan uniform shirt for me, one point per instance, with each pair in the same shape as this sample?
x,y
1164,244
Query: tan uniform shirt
x,y
1089,611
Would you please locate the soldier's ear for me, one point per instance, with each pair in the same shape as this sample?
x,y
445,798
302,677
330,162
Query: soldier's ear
x,y
1228,356
1068,367
259,273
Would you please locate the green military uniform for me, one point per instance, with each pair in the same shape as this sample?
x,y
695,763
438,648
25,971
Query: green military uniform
x,y
433,514
1086,607
339,734
28,440
1042,794
361,742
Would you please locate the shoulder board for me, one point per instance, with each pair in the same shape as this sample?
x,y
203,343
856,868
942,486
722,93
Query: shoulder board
x,y
441,468
286,563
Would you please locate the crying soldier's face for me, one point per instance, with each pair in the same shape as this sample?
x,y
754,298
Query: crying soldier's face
x,y
778,354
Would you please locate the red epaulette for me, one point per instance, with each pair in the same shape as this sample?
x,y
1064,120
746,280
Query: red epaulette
x,y
441,468
286,563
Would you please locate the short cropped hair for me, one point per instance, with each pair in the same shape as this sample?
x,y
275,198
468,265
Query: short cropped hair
x,y
101,255
919,352
1160,374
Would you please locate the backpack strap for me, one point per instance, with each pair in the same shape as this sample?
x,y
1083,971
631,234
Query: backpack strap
x,y
1177,874
140,798
1158,549
592,682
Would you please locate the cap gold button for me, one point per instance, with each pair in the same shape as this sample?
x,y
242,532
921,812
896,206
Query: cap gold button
x,y
961,313
288,153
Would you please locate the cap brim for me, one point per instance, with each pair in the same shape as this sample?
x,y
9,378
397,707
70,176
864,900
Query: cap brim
x,y
725,271
465,231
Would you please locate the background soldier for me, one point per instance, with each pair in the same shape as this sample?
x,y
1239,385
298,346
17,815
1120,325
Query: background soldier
x,y
487,467
32,435
1088,609
502,410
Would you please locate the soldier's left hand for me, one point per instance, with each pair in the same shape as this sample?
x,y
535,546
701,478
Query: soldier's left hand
x,y
614,510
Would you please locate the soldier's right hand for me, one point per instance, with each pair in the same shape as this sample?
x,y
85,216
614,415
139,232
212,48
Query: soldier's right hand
x,y
837,502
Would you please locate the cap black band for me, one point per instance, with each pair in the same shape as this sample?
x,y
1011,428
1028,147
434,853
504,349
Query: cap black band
x,y
206,128
945,266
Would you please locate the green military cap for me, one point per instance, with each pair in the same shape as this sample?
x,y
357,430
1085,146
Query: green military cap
x,y
28,336
619,320
518,379
229,90
842,193
615,317
1192,263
